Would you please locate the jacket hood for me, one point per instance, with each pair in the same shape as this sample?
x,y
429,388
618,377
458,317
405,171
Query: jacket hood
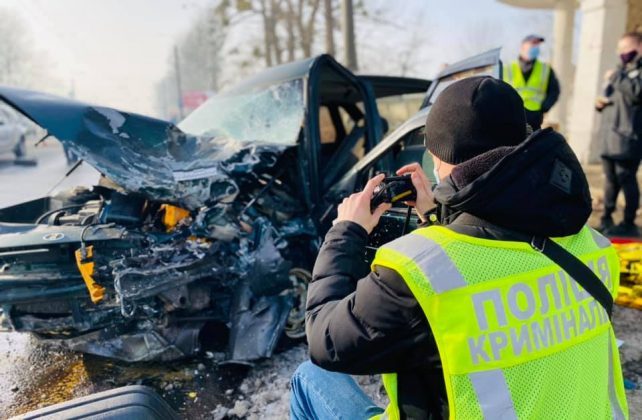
x,y
537,187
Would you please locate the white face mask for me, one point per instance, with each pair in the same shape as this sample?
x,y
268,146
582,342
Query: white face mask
x,y
435,172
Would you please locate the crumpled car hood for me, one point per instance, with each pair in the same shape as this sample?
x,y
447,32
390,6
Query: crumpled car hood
x,y
142,154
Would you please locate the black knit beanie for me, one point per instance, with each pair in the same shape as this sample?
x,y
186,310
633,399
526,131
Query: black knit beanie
x,y
473,116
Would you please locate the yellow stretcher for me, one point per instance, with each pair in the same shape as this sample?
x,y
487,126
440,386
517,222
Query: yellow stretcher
x,y
630,291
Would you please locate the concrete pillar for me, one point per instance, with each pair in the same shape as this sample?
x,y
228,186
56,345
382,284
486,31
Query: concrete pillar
x,y
563,24
603,22
635,16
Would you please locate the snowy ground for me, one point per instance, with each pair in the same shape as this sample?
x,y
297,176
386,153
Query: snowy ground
x,y
264,394
33,376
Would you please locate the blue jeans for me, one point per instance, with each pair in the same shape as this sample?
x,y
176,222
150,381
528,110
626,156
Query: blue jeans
x,y
320,394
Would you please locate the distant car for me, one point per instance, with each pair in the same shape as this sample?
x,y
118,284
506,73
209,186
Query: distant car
x,y
13,133
208,228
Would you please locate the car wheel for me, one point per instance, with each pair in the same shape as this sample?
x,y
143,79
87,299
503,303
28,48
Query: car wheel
x,y
21,148
295,326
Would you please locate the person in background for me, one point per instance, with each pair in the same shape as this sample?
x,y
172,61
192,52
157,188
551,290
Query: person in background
x,y
621,149
534,80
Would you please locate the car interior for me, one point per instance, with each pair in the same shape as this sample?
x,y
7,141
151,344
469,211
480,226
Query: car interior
x,y
341,125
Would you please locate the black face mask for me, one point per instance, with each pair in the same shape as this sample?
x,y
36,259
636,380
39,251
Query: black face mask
x,y
628,57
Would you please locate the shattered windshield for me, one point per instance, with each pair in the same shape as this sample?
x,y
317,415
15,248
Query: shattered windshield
x,y
272,115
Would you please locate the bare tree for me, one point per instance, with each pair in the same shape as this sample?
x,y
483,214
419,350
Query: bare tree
x,y
328,17
347,27
305,21
19,65
405,53
200,54
272,32
199,60
289,26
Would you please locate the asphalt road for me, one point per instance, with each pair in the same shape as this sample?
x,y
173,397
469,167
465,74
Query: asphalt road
x,y
19,183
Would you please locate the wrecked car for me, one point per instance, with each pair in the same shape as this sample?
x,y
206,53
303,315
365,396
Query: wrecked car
x,y
214,221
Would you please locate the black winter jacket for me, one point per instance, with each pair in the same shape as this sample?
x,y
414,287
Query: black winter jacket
x,y
368,322
623,139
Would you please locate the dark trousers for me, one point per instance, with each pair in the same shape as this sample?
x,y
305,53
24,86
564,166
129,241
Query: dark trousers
x,y
621,175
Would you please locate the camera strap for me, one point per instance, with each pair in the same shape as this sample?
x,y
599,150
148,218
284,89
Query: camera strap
x,y
575,268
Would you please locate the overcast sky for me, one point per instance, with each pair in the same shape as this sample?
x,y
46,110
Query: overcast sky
x,y
112,52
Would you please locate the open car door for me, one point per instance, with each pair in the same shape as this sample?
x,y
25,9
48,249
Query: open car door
x,y
406,144
485,64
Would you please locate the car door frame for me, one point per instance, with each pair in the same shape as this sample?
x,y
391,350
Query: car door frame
x,y
485,59
311,144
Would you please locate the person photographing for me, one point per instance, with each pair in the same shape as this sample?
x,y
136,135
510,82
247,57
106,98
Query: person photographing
x,y
469,318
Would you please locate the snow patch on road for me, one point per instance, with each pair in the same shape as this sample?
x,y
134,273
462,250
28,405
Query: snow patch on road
x,y
265,392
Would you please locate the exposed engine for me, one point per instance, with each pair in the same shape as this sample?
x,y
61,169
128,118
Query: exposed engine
x,y
119,275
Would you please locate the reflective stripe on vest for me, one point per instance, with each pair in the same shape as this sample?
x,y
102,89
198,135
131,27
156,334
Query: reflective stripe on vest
x,y
533,91
433,262
517,337
493,394
613,397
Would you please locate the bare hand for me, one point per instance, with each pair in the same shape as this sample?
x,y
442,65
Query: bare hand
x,y
425,198
601,102
608,74
356,208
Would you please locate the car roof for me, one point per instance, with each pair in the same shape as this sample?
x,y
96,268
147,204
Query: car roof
x,y
282,73
382,85
395,85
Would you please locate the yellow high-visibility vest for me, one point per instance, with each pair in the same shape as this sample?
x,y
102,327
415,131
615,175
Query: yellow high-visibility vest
x,y
517,337
532,92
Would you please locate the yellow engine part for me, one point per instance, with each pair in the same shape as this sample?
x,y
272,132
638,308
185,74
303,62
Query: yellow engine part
x,y
85,265
172,215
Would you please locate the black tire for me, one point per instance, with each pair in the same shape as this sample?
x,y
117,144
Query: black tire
x,y
21,148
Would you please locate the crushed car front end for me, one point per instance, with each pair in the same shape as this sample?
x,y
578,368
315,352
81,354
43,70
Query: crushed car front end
x,y
184,230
